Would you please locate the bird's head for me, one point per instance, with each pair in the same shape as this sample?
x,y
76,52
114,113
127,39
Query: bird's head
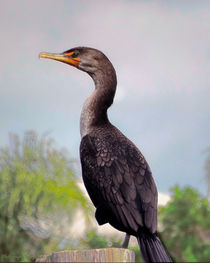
x,y
86,59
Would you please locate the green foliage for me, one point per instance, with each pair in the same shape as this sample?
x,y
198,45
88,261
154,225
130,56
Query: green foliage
x,y
36,185
186,225
93,240
38,190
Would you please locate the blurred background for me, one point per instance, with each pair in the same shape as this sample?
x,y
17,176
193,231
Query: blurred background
x,y
160,50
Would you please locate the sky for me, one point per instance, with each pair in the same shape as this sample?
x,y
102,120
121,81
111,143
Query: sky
x,y
160,50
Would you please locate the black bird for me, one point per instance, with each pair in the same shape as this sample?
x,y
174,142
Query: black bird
x,y
116,175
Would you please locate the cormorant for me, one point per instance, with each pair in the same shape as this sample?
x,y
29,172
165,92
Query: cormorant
x,y
116,175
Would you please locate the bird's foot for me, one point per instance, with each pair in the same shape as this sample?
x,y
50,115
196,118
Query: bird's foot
x,y
126,241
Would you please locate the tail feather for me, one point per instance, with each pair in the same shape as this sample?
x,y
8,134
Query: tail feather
x,y
152,248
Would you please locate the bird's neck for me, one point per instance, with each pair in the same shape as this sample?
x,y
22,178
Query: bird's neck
x,y
94,112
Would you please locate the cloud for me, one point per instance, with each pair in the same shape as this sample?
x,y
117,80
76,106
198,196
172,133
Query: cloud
x,y
160,53
151,44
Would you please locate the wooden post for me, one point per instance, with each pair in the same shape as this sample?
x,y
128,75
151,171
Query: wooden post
x,y
90,255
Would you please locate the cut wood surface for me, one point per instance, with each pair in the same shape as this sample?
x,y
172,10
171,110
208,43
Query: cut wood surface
x,y
90,255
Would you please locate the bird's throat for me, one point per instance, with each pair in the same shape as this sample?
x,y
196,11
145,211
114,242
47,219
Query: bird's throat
x,y
94,111
87,115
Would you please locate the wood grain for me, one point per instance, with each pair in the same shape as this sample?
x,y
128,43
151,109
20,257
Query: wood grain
x,y
90,255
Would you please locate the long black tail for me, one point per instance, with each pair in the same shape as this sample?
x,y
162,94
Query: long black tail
x,y
152,249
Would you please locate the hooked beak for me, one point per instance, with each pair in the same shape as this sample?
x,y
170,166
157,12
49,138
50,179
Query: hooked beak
x,y
65,58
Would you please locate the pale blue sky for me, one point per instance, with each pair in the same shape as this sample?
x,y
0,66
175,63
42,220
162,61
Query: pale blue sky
x,y
160,50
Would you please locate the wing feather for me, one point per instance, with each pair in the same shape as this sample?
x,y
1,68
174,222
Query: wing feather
x,y
118,178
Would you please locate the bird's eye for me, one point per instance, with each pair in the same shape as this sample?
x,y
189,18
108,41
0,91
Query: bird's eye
x,y
75,54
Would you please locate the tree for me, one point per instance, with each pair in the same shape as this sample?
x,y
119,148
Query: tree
x,y
186,225
36,185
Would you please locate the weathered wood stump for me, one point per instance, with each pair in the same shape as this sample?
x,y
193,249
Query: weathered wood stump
x,y
90,255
